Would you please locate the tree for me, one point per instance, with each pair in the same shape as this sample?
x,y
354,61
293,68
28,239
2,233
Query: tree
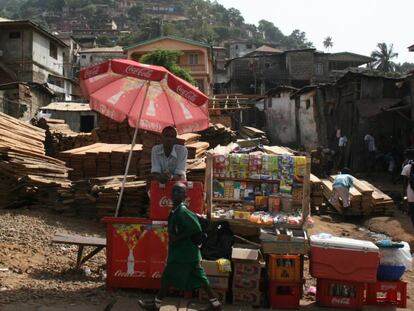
x,y
135,13
167,59
383,57
328,43
404,67
270,32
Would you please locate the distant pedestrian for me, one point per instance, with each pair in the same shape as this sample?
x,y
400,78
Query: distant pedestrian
x,y
341,185
371,151
408,185
342,143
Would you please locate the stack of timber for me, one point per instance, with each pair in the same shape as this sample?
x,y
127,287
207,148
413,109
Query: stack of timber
x,y
111,132
218,134
355,197
248,132
59,136
196,169
317,197
98,197
278,150
366,199
381,203
99,160
27,175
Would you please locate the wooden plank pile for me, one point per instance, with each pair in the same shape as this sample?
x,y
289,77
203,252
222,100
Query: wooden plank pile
x,y
111,132
218,134
59,137
249,132
98,197
381,203
317,197
27,174
366,200
101,159
355,199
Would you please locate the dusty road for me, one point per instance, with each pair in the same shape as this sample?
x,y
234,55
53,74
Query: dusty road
x,y
37,275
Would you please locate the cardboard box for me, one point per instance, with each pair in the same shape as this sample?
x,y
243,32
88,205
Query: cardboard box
x,y
249,269
244,253
242,282
218,282
212,269
221,295
246,297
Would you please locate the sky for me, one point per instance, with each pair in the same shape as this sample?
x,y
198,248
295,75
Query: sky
x,y
354,25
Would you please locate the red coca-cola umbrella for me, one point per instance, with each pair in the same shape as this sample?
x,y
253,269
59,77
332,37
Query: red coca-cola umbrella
x,y
149,97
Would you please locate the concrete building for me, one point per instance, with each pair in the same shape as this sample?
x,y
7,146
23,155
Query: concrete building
x,y
94,56
267,68
196,57
28,53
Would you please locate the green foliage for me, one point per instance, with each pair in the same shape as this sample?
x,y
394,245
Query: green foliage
x,y
328,43
383,56
404,67
167,59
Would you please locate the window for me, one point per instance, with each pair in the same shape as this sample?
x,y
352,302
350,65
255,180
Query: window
x,y
319,69
248,46
308,103
14,35
83,56
269,103
193,59
53,50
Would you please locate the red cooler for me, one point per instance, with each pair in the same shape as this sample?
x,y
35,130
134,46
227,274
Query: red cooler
x,y
343,259
136,251
161,202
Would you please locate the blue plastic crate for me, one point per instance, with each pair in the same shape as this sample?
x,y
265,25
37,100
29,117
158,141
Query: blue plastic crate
x,y
390,273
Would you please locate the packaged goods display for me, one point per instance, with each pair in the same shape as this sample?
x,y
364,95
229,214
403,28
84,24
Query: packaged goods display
x,y
263,189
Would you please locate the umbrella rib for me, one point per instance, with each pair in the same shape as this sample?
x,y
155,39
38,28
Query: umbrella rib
x,y
133,103
169,104
143,101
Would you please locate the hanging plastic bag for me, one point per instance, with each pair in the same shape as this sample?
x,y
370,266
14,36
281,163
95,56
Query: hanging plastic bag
x,y
397,256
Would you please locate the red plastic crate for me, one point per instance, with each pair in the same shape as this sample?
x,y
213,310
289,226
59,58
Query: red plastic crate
x,y
161,203
136,252
285,295
340,294
387,294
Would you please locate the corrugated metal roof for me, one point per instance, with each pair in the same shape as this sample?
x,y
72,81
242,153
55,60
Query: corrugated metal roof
x,y
67,106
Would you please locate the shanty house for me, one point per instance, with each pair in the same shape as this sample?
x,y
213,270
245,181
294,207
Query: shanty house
x,y
78,116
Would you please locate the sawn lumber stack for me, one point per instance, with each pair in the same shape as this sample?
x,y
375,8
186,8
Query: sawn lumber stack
x,y
366,199
27,175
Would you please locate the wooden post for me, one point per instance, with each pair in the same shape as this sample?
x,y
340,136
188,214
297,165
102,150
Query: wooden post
x,y
306,191
208,183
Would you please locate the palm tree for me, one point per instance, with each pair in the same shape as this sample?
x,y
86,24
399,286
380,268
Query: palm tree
x,y
328,43
383,57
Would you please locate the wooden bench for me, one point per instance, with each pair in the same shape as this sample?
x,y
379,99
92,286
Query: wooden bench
x,y
81,241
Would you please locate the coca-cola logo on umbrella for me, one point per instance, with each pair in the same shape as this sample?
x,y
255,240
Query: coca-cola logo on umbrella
x,y
139,72
91,72
190,95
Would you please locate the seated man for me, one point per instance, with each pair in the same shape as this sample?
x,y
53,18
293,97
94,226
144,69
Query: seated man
x,y
168,159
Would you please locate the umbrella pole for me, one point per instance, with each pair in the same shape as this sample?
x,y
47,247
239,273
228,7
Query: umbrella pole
x,y
126,172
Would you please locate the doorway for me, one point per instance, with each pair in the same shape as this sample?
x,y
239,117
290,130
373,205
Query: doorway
x,y
87,123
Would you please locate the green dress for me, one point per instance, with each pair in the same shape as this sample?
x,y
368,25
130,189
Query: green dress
x,y
183,270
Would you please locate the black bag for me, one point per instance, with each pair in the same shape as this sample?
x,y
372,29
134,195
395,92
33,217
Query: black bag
x,y
219,242
200,238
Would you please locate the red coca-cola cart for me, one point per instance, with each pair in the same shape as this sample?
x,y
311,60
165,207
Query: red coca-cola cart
x,y
137,248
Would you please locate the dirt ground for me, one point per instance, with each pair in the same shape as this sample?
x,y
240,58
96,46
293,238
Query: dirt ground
x,y
38,275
